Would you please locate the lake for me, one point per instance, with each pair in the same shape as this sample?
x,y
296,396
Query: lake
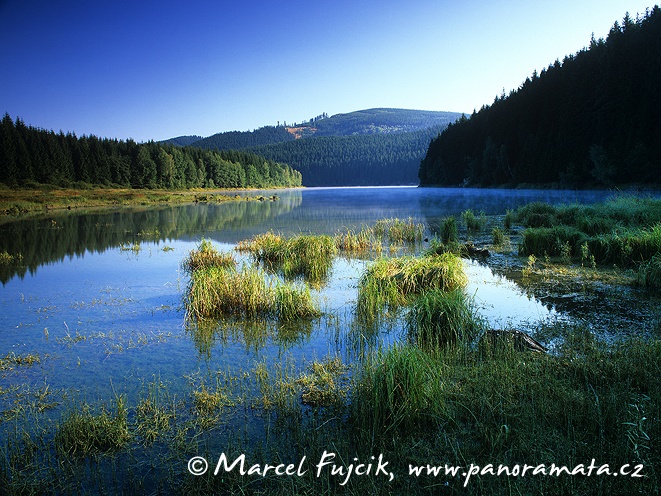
x,y
98,296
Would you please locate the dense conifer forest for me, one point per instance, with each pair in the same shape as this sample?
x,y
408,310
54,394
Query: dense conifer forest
x,y
30,156
381,146
593,119
358,160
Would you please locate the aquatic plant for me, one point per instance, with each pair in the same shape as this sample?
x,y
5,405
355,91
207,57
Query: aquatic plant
x,y
398,230
473,222
310,256
498,236
398,390
82,433
205,256
449,231
441,318
390,281
248,292
352,242
323,387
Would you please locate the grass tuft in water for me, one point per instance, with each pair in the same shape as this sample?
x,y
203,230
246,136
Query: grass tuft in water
x,y
82,433
388,282
398,390
303,255
438,319
206,256
449,231
473,222
398,230
248,292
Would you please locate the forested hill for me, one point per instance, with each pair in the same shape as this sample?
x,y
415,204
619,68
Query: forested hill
x,y
358,160
30,156
592,120
381,146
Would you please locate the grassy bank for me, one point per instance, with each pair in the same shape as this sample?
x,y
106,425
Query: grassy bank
x,y
21,202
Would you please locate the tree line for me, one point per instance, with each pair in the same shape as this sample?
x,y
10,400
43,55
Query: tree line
x,y
358,160
592,120
31,156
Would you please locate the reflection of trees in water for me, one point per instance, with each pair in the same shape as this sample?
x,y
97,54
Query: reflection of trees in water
x,y
47,240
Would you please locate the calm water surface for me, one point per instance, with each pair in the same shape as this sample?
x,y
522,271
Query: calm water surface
x,y
105,317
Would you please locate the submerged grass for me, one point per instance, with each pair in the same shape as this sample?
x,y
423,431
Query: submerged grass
x,y
82,433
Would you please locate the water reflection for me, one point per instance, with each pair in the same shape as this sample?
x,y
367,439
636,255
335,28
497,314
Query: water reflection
x,y
52,239
313,210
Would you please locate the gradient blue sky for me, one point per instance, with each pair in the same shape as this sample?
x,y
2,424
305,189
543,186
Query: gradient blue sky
x,y
159,69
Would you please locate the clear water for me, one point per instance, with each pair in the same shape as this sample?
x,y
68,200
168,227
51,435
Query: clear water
x,y
106,318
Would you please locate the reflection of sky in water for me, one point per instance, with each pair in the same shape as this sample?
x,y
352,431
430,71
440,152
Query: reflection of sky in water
x,y
501,301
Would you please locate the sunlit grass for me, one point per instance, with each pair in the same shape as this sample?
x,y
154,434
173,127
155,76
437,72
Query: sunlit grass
x,y
205,256
388,282
310,256
247,292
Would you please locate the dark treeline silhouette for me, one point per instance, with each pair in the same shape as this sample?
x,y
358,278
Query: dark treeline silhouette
x,y
358,160
592,120
29,155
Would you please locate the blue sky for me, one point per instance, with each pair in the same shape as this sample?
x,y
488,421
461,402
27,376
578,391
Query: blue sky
x,y
159,69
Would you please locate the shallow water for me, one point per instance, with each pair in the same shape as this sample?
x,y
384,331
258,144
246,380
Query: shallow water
x,y
98,296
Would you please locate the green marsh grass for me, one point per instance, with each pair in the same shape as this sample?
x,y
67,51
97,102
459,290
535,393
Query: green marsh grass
x,y
389,282
474,223
398,390
649,273
310,256
247,292
498,237
82,433
622,230
449,231
438,319
205,256
398,230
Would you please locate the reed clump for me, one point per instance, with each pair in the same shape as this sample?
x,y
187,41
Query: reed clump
x,y
449,231
389,282
82,433
399,390
474,223
438,319
310,256
248,292
205,256
399,230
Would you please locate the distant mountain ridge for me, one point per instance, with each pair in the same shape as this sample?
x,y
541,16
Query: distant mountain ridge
x,y
369,121
379,146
